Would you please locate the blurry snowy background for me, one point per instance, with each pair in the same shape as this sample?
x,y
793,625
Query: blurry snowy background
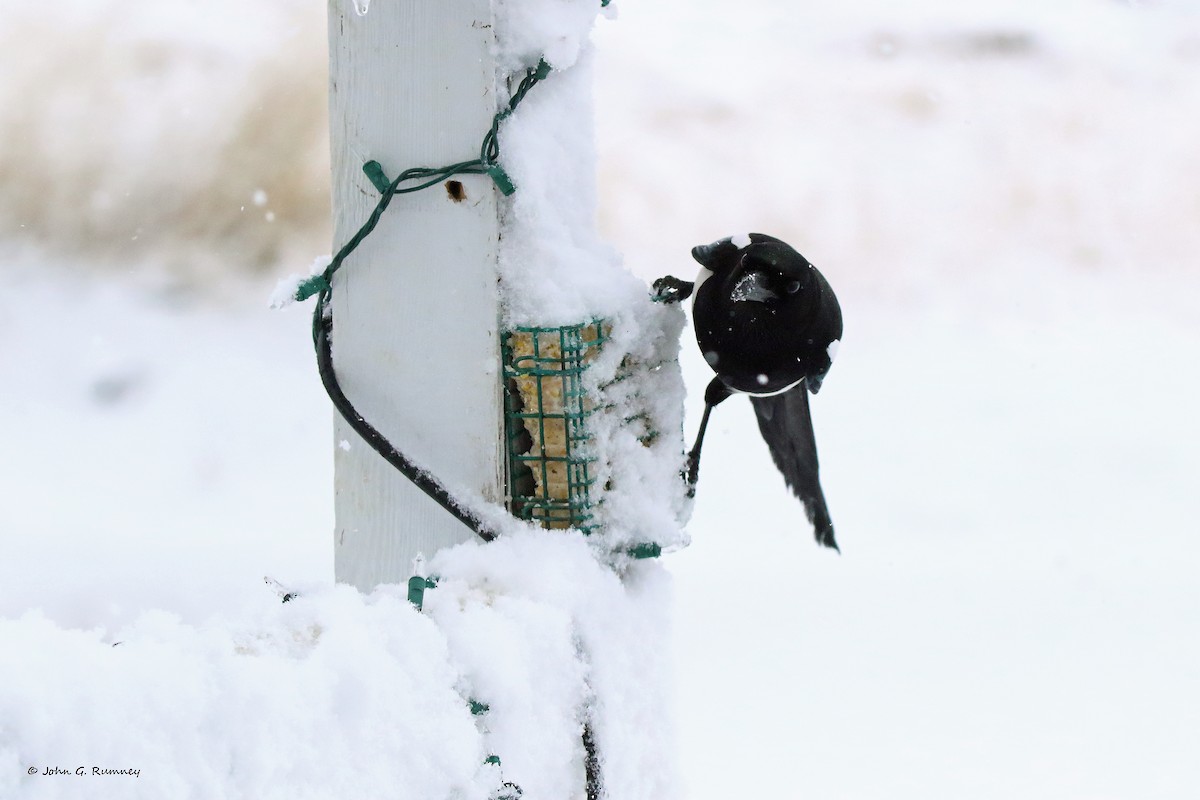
x,y
1006,196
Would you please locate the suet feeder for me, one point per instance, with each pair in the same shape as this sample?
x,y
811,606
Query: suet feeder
x,y
550,458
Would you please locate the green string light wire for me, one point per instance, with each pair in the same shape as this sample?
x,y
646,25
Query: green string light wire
x,y
487,164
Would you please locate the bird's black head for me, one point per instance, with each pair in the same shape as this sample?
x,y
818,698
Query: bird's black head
x,y
754,267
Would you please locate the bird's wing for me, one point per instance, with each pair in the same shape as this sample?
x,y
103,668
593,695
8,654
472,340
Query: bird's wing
x,y
786,425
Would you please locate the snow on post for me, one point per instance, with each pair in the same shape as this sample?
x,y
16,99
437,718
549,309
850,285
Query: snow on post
x,y
413,83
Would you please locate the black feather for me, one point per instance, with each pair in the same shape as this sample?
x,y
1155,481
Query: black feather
x,y
786,425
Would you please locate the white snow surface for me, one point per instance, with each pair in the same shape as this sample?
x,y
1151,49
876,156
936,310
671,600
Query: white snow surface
x,y
555,268
330,694
336,693
528,31
1003,196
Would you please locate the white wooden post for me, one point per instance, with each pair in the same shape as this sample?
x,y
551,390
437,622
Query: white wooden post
x,y
415,308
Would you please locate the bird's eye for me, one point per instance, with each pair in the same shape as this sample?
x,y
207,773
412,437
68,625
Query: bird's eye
x,y
793,287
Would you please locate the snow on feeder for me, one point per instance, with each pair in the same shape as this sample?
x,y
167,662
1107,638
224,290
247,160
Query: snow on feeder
x,y
550,458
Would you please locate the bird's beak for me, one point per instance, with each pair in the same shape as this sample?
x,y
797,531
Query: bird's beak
x,y
706,254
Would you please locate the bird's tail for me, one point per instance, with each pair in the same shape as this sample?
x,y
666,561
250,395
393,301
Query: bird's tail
x,y
786,425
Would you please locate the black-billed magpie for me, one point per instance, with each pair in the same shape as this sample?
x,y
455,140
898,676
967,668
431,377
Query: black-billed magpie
x,y
769,325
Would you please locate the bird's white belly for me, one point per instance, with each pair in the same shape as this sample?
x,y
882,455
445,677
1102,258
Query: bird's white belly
x,y
704,274
787,388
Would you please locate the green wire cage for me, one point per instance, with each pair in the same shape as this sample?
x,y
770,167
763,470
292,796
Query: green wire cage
x,y
551,466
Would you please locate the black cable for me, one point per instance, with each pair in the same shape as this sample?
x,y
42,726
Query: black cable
x,y
591,763
427,483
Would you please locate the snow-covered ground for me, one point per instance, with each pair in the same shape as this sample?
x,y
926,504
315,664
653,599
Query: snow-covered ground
x,y
1005,197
